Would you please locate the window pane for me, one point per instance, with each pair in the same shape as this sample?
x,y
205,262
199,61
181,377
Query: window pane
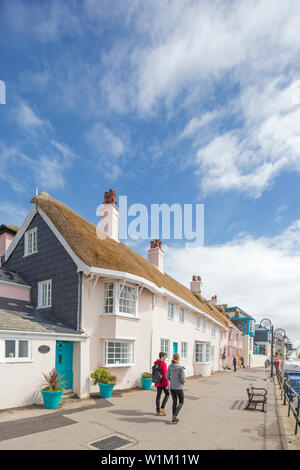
x,y
109,298
10,348
127,300
119,352
23,348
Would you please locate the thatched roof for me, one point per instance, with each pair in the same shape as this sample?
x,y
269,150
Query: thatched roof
x,y
81,236
8,229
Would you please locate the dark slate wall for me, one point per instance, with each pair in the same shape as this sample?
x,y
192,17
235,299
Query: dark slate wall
x,y
51,262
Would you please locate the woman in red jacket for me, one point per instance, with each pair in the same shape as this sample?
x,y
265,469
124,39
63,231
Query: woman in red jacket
x,y
162,385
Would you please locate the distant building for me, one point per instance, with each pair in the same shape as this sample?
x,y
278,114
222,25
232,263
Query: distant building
x,y
246,324
262,344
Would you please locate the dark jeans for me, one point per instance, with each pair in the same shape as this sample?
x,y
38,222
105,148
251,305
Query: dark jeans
x,y
158,395
177,396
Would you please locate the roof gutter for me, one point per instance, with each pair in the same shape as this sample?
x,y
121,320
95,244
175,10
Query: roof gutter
x,y
52,335
150,286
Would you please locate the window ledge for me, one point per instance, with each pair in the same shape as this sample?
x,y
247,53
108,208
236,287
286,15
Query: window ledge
x,y
16,361
169,318
40,308
29,254
119,365
120,315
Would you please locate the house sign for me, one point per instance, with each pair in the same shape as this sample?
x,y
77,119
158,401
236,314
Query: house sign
x,y
44,349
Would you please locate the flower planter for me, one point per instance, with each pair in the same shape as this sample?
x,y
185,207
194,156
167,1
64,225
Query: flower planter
x,y
105,390
51,399
146,383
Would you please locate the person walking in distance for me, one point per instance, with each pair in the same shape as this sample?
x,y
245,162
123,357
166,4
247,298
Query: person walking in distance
x,y
234,363
242,362
176,376
159,372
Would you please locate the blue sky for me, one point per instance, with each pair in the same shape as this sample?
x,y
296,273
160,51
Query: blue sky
x,y
183,101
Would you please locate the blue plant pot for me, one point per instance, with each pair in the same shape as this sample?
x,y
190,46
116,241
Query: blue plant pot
x,y
146,383
105,390
51,399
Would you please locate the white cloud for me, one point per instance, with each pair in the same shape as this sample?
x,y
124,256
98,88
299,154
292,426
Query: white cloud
x,y
195,124
49,173
249,158
104,142
108,147
26,117
12,214
260,275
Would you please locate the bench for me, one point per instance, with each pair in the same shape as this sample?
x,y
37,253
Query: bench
x,y
256,395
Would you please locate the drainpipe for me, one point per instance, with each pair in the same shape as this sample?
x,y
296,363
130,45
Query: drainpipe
x,y
79,301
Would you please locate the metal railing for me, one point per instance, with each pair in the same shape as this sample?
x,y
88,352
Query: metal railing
x,y
290,396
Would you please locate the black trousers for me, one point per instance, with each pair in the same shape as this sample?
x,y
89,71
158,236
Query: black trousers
x,y
158,395
178,400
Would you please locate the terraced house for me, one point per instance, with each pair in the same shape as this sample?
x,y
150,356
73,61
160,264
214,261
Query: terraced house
x,y
94,301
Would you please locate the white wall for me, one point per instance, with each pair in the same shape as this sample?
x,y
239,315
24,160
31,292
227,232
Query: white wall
x,y
20,382
258,360
147,330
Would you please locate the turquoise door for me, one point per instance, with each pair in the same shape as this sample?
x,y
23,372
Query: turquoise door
x,y
175,348
64,362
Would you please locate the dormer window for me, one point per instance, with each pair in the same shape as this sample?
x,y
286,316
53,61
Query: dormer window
x,y
30,242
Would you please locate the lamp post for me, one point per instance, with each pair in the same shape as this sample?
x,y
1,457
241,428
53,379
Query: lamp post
x,y
280,335
266,323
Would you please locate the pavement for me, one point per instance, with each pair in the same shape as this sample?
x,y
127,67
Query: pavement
x,y
213,417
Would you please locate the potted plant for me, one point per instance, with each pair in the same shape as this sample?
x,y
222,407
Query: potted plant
x,y
53,390
105,380
146,379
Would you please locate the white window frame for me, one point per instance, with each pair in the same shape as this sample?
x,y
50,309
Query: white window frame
x,y
181,315
184,350
163,343
171,310
16,358
213,330
204,324
204,355
118,287
40,294
198,324
119,364
34,242
212,354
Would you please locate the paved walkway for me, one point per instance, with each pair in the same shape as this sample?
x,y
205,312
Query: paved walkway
x,y
213,417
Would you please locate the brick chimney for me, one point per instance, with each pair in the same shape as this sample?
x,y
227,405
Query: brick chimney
x,y
7,235
196,285
110,215
156,255
214,300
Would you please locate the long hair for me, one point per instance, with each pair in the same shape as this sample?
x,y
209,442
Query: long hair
x,y
176,358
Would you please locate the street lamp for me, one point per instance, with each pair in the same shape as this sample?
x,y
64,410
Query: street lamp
x,y
266,323
280,335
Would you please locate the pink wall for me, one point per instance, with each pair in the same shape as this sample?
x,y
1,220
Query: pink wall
x,y
11,291
5,241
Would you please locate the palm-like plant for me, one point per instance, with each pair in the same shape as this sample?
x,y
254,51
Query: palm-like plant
x,y
53,381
